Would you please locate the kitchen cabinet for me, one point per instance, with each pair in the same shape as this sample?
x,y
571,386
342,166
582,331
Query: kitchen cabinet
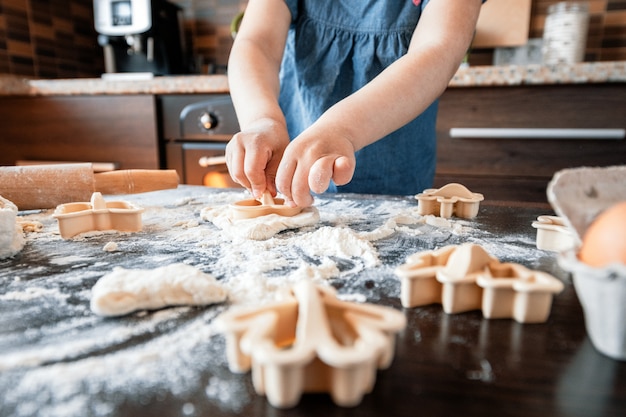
x,y
117,129
520,169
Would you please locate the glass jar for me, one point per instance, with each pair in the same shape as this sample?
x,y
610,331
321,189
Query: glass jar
x,y
565,33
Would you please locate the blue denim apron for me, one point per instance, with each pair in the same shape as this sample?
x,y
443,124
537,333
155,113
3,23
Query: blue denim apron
x,y
335,47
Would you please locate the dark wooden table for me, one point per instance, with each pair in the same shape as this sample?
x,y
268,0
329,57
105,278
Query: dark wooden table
x,y
58,359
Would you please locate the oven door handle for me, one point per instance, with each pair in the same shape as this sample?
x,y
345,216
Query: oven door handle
x,y
210,161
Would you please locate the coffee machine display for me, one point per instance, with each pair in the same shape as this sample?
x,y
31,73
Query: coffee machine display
x,y
141,36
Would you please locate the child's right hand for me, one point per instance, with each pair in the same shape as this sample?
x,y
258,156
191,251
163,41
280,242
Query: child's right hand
x,y
253,155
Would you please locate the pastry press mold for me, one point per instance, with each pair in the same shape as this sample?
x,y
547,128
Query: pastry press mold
x,y
465,278
251,208
311,342
553,234
98,214
450,199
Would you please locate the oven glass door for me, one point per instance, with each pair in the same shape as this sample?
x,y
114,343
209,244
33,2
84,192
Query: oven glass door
x,y
205,164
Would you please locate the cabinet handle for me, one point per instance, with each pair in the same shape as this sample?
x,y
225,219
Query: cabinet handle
x,y
524,133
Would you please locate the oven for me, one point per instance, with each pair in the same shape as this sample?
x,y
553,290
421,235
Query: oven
x,y
196,129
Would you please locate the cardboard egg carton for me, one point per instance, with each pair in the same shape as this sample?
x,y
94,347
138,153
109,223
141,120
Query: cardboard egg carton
x,y
578,195
311,342
96,215
553,234
450,199
252,208
465,277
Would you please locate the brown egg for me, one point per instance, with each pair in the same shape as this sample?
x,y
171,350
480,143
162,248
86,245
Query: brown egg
x,y
604,241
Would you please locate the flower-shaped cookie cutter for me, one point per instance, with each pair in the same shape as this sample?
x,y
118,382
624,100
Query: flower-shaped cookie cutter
x,y
465,278
251,208
553,234
450,199
311,342
96,215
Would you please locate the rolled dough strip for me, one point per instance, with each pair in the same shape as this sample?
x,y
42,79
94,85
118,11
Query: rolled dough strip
x,y
123,291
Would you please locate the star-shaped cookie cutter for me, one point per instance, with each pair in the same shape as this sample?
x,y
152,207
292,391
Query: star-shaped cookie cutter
x,y
98,214
465,277
450,199
251,208
311,342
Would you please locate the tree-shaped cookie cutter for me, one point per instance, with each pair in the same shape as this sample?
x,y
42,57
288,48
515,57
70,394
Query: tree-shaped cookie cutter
x,y
311,342
465,278
251,208
450,199
96,215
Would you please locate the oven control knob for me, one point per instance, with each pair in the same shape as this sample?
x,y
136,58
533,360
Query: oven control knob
x,y
208,120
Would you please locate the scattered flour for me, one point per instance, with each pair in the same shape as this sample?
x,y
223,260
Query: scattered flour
x,y
75,363
31,293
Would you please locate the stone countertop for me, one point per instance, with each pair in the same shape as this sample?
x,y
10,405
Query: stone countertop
x,y
479,76
513,75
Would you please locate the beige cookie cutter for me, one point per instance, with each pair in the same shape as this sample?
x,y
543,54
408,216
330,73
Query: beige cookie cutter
x,y
553,234
311,342
97,215
450,199
252,208
465,277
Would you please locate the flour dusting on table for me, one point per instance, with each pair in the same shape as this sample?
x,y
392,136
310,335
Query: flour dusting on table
x,y
70,362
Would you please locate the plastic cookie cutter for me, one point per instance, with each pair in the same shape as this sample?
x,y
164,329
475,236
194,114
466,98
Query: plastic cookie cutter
x,y
311,342
513,291
553,234
465,278
450,199
251,208
76,218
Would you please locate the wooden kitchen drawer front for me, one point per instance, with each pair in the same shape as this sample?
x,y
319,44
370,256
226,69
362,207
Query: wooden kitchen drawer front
x,y
588,106
120,129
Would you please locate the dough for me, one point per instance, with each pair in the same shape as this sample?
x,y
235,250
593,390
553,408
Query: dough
x,y
259,228
11,233
126,290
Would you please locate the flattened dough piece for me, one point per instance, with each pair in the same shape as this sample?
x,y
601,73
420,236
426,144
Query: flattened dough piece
x,y
123,291
258,228
11,233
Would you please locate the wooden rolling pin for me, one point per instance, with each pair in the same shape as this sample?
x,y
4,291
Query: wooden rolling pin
x,y
47,186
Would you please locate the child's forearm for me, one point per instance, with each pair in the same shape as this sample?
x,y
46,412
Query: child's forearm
x,y
407,87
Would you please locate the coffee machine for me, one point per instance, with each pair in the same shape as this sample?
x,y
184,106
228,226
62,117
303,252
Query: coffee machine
x,y
141,36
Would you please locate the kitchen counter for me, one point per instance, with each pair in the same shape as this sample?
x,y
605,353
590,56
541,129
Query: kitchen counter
x,y
58,359
583,73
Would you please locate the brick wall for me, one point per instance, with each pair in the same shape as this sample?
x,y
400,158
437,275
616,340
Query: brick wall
x,y
56,39
48,38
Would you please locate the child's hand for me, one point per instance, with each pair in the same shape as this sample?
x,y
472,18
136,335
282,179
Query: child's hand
x,y
310,162
253,155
